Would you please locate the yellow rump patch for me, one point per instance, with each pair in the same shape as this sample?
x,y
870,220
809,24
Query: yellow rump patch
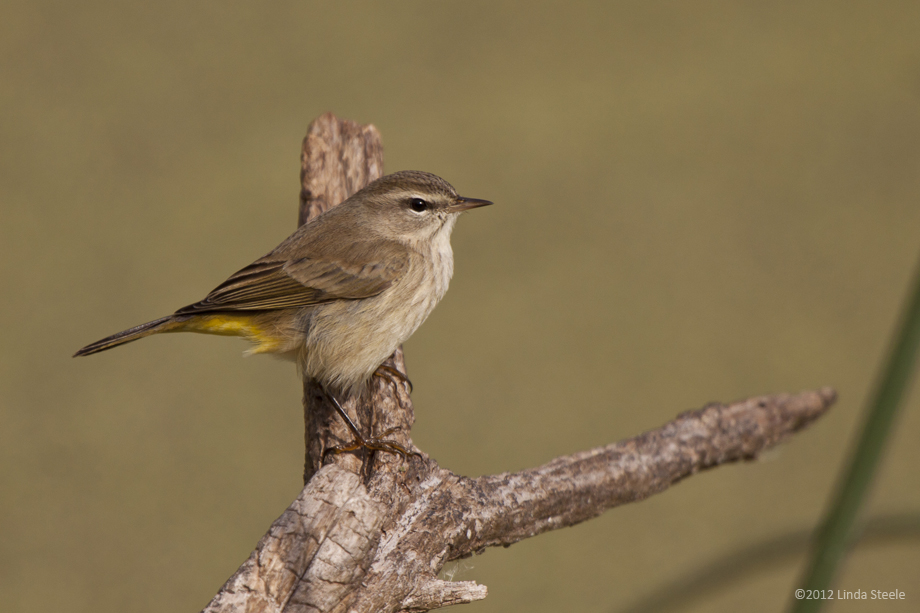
x,y
226,325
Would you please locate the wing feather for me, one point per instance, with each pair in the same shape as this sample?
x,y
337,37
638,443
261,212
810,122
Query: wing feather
x,y
358,271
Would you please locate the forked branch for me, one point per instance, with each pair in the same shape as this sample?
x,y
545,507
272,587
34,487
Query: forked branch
x,y
369,533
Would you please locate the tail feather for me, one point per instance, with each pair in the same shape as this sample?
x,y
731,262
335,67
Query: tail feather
x,y
164,324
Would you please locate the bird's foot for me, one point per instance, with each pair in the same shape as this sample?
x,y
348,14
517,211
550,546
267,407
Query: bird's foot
x,y
393,376
374,443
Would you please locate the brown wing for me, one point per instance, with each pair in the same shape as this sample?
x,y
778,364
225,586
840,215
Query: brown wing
x,y
359,270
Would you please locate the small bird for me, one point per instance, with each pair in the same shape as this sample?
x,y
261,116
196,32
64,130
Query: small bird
x,y
341,293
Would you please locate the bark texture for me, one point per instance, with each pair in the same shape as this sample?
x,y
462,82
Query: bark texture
x,y
370,532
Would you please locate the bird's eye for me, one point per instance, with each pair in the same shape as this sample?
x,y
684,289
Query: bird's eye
x,y
418,205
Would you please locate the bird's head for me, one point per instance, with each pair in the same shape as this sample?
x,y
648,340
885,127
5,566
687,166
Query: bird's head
x,y
412,205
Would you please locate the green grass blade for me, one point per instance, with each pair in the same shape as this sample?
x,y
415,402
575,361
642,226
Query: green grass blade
x,y
728,571
834,537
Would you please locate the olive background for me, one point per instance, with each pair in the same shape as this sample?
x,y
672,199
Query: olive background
x,y
695,201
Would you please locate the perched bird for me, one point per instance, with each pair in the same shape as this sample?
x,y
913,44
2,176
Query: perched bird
x,y
341,293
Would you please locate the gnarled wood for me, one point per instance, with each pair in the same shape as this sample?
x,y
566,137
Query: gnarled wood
x,y
338,158
370,532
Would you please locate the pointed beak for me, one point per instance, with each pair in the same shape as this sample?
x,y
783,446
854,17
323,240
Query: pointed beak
x,y
465,204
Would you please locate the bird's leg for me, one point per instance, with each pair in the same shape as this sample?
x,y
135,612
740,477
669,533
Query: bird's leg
x,y
374,443
392,375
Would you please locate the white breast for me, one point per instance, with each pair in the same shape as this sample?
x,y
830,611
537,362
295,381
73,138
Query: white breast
x,y
348,340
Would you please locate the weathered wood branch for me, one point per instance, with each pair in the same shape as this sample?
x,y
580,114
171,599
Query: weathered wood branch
x,y
370,532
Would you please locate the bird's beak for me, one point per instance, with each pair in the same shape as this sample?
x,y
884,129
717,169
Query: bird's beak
x,y
464,204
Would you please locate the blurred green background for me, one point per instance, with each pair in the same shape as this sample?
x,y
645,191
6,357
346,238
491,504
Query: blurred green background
x,y
696,201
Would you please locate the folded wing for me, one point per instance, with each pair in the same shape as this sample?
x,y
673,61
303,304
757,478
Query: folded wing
x,y
276,282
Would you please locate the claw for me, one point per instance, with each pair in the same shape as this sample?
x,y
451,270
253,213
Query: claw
x,y
374,443
391,374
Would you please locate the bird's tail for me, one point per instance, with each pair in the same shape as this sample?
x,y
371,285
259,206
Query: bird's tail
x,y
164,324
